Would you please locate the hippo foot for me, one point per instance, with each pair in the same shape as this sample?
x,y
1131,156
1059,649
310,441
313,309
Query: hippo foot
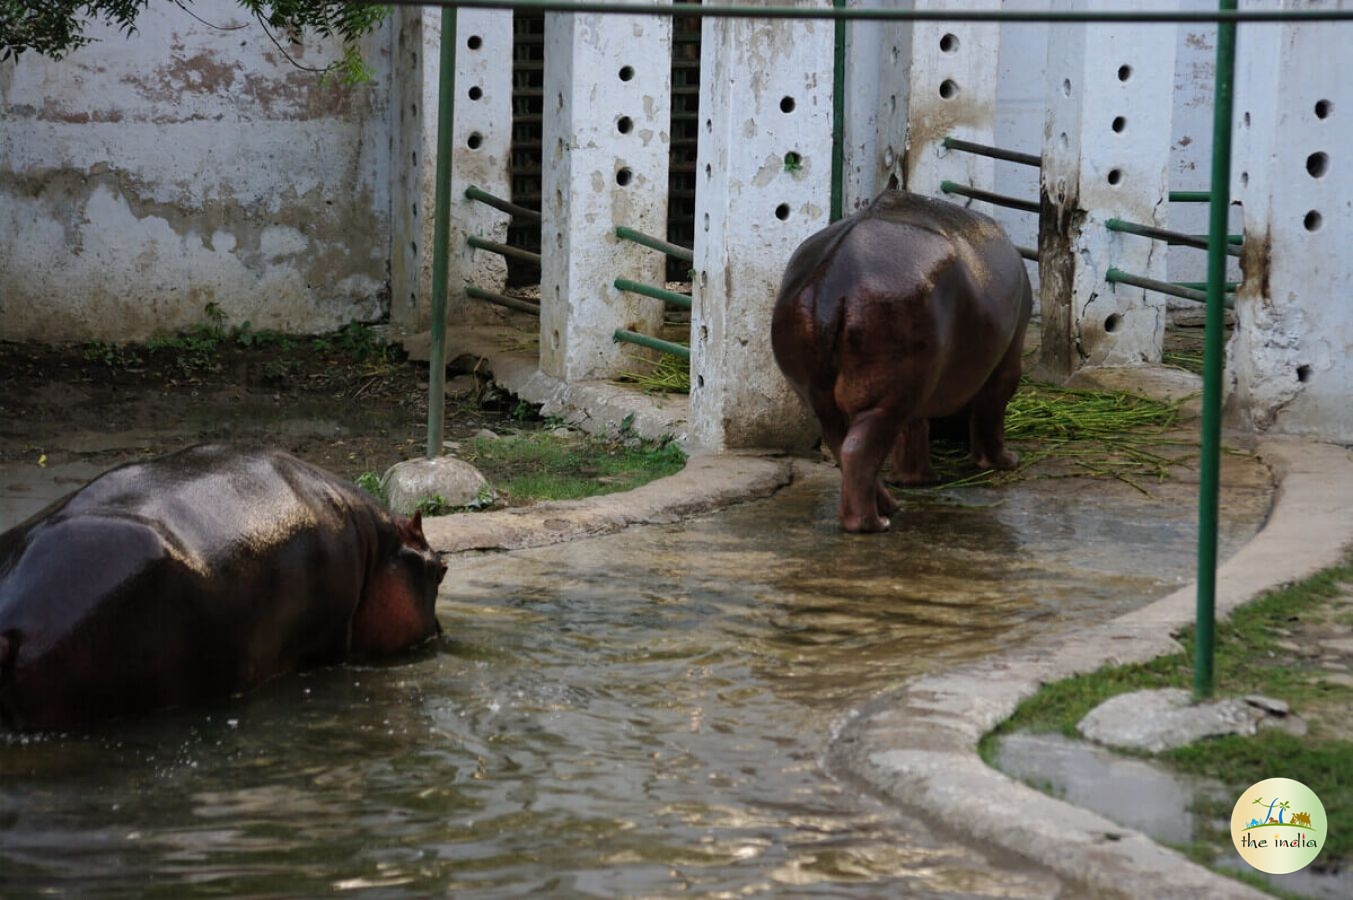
x,y
866,524
1006,459
917,478
886,504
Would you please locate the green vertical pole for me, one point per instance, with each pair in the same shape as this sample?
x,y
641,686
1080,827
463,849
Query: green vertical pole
x,y
1209,474
441,235
838,116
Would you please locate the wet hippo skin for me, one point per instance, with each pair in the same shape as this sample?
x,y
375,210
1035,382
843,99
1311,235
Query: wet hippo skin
x,y
910,310
200,575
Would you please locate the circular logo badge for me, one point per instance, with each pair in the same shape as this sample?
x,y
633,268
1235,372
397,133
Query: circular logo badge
x,y
1279,826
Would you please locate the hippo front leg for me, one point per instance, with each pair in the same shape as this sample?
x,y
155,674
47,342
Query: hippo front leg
x,y
911,455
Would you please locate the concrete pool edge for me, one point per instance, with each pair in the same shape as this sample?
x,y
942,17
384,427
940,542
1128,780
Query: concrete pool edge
x,y
706,483
919,746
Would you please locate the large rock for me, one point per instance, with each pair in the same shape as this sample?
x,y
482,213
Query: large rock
x,y
453,480
1164,719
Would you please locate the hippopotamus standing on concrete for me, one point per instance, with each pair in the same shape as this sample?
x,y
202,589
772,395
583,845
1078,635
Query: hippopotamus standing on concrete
x,y
199,575
910,310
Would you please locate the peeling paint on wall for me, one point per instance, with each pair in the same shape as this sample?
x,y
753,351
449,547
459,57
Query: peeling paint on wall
x,y
142,178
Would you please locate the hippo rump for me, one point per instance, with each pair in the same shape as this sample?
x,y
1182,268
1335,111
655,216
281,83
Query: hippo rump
x,y
197,576
910,310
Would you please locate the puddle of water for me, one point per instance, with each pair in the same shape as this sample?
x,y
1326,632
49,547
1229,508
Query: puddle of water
x,y
642,714
1146,797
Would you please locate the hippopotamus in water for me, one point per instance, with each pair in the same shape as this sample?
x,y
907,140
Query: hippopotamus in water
x,y
910,310
197,576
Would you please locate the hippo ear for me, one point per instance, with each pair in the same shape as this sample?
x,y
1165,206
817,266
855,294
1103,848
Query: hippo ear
x,y
416,524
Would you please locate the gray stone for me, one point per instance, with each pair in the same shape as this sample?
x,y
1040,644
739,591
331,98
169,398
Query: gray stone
x,y
1269,704
1342,679
486,434
462,386
1338,645
455,481
1164,719
1293,725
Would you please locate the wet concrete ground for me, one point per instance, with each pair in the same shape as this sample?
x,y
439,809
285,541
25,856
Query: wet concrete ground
x,y
642,714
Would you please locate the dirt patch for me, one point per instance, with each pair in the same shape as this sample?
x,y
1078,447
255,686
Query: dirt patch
x,y
348,408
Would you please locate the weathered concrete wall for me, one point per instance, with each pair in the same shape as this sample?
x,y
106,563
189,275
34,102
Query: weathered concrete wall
x,y
143,178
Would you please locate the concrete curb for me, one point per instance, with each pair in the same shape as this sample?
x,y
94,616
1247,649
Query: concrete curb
x,y
705,484
919,747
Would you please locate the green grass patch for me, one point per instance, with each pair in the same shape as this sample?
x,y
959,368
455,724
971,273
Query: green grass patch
x,y
541,465
669,375
1248,661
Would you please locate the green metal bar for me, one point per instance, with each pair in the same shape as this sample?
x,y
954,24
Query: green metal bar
x,y
498,203
951,187
1171,237
1230,287
854,14
839,117
1024,159
441,237
1118,276
503,249
671,298
1190,196
685,254
516,303
1209,477
643,340
1028,253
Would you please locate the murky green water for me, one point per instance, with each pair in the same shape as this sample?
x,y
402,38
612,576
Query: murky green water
x,y
638,715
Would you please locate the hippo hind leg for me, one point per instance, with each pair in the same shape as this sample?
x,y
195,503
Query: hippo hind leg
x,y
865,502
911,455
986,422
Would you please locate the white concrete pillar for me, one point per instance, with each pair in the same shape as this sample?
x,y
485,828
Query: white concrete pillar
x,y
952,74
763,185
1105,155
480,151
605,150
875,130
1293,173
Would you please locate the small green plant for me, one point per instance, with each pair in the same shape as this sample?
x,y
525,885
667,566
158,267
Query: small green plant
x,y
793,161
435,505
524,411
246,337
114,356
359,343
371,483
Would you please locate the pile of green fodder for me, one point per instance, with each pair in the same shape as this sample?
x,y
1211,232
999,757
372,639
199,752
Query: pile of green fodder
x,y
1064,432
669,375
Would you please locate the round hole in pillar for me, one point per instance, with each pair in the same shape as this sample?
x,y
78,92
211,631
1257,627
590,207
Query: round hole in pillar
x,y
1245,120
627,73
624,176
704,333
476,92
554,340
1063,140
1066,87
782,212
414,157
706,222
949,42
948,89
474,140
1303,374
1244,179
699,381
704,281
709,126
892,104
1119,124
709,171
896,54
413,247
1115,176
1124,72
1313,220
1323,108
793,161
624,125
474,42
1317,164
1112,322
787,104
413,110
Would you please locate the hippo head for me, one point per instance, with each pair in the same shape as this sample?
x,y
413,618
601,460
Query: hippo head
x,y
397,609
